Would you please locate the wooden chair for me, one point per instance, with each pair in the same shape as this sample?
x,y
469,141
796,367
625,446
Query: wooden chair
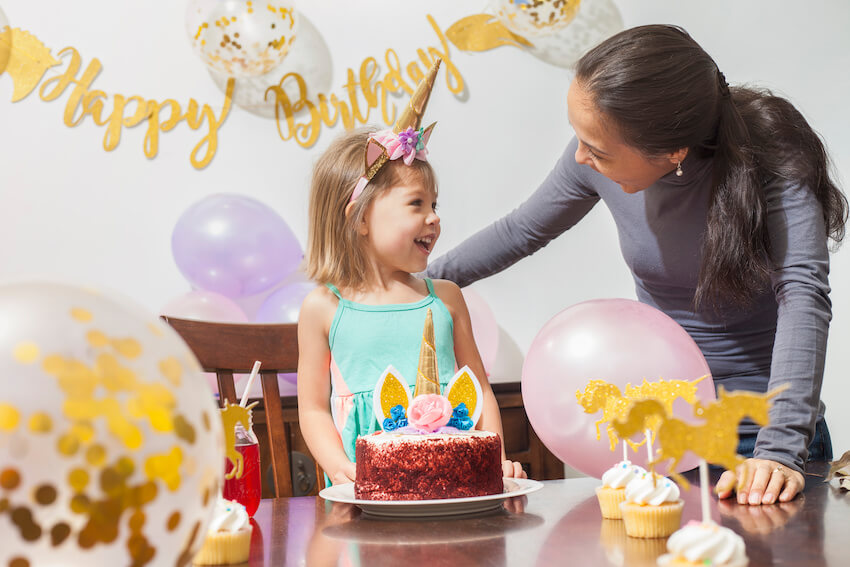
x,y
225,348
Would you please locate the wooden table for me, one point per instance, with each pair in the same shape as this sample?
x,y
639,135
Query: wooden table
x,y
558,525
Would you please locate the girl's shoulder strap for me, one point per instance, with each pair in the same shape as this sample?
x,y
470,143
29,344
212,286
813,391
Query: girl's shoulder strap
x,y
430,285
334,290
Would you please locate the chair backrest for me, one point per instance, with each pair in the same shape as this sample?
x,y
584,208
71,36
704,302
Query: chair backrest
x,y
225,348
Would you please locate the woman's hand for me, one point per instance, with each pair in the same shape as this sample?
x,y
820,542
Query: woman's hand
x,y
345,474
760,481
512,469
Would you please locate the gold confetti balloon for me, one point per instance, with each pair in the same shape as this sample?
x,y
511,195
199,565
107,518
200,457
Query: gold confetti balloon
x,y
5,41
111,446
241,38
533,18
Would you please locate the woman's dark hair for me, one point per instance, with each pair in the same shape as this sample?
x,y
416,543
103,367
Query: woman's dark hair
x,y
663,92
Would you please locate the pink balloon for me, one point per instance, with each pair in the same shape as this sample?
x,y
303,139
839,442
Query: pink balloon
x,y
484,328
617,340
205,306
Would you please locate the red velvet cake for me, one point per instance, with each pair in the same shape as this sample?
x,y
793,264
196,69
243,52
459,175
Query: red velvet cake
x,y
393,466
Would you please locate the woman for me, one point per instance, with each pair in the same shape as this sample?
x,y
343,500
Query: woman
x,y
724,206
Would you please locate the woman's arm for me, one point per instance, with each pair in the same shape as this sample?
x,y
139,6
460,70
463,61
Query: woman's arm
x,y
466,354
800,283
314,389
559,203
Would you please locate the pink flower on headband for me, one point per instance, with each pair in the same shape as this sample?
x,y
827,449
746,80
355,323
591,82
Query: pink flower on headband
x,y
408,144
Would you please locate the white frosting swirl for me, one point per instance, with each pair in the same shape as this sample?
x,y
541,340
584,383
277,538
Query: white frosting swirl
x,y
706,543
620,474
652,489
229,516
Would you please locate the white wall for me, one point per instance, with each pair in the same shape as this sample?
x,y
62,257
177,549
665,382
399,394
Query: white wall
x,y
74,212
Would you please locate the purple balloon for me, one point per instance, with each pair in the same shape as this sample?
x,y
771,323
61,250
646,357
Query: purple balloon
x,y
283,305
234,245
617,340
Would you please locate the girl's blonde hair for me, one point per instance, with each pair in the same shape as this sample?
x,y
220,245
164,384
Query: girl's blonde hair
x,y
334,247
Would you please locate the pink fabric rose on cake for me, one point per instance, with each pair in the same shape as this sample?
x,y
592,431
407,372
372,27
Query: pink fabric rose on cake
x,y
429,412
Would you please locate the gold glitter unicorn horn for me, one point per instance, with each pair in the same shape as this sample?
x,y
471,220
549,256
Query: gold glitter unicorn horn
x,y
412,115
426,375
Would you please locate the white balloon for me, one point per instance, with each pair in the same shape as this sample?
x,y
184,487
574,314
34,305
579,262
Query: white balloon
x,y
595,21
310,57
241,38
111,446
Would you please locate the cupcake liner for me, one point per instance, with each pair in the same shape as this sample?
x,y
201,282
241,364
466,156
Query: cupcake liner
x,y
225,548
652,521
609,501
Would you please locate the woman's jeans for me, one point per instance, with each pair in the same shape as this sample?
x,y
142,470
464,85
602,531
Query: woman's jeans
x,y
820,449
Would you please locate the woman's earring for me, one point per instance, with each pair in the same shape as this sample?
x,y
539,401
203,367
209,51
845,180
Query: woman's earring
x,y
679,170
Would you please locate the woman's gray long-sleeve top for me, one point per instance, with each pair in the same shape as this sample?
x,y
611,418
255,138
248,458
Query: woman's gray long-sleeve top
x,y
780,340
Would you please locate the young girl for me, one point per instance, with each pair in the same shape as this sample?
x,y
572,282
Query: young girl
x,y
366,239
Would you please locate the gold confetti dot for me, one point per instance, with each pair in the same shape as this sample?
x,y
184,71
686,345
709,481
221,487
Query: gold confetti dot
x,y
9,417
171,369
97,339
4,504
137,521
173,521
80,504
124,466
95,455
59,533
45,495
68,445
9,479
19,562
110,481
40,422
128,348
78,479
81,315
83,431
25,352
154,327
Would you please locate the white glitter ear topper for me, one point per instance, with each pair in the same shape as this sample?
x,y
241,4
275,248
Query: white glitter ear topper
x,y
464,388
391,390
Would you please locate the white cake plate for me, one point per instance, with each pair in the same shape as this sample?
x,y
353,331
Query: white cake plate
x,y
514,487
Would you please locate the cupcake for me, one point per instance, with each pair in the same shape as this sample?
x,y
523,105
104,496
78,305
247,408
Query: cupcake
x,y
613,489
228,538
652,507
700,544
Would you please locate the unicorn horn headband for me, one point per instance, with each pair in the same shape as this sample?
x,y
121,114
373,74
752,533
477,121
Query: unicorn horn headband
x,y
406,139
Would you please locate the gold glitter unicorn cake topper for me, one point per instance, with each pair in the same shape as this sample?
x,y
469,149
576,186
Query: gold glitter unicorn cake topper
x,y
600,395
715,440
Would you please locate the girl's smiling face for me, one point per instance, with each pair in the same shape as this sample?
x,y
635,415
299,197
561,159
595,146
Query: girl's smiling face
x,y
601,149
401,227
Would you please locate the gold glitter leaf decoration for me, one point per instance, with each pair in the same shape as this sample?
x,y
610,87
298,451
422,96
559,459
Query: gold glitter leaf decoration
x,y
28,61
482,32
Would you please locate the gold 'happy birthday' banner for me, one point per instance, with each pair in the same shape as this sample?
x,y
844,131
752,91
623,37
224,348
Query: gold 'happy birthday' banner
x,y
29,60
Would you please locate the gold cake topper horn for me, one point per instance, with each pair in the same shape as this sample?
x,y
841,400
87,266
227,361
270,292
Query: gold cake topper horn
x,y
427,381
411,117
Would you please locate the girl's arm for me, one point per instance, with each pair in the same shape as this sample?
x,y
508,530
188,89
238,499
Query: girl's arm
x,y
466,354
314,386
